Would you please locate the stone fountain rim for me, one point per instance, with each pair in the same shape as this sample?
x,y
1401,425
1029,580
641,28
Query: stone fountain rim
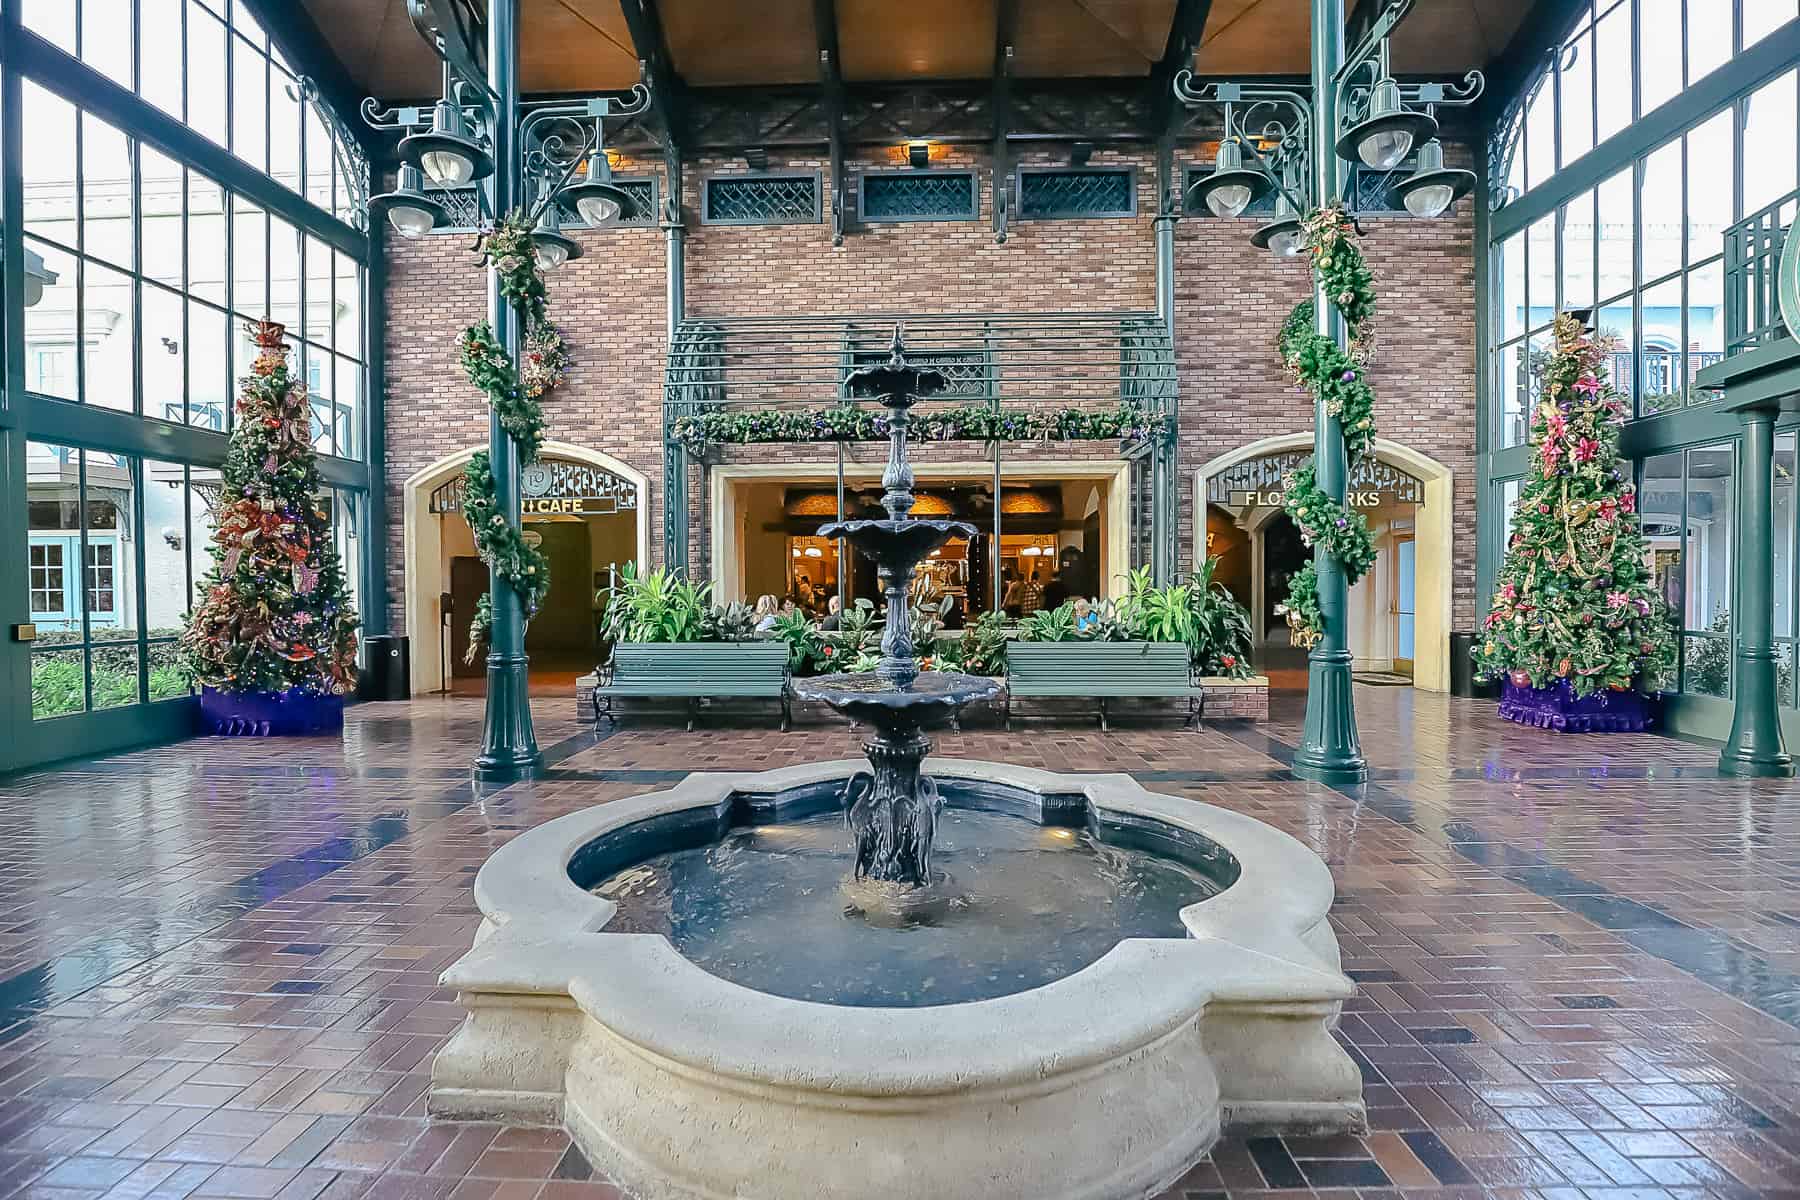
x,y
1254,943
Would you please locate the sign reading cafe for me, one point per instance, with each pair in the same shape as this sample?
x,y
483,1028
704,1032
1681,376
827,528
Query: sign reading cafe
x,y
556,487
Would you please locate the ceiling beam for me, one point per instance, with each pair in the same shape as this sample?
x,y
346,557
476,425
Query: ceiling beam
x,y
1185,31
1006,24
667,94
831,86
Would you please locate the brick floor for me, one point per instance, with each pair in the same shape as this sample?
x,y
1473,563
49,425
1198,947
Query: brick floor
x,y
1579,958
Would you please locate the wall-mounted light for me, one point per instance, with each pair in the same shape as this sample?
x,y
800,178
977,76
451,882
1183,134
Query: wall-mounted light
x,y
1080,153
918,154
757,158
172,535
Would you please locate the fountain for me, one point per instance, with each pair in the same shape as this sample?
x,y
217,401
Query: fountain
x,y
1015,983
892,812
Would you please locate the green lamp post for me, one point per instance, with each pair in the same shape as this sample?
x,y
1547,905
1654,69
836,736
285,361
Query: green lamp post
x,y
520,156
1353,108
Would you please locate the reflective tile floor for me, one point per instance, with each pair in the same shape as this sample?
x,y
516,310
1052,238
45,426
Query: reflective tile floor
x,y
1579,957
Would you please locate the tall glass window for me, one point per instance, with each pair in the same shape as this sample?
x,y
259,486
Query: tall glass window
x,y
142,270
1645,246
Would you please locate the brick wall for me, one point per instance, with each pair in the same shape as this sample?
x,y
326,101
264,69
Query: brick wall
x,y
1230,298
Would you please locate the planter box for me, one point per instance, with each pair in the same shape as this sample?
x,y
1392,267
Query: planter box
x,y
1236,699
293,713
1556,708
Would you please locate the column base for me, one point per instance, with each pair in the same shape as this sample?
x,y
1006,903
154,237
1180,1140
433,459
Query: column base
x,y
1330,751
509,748
1748,763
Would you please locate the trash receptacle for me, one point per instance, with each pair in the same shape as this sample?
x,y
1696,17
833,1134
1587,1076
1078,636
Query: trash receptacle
x,y
387,668
1462,668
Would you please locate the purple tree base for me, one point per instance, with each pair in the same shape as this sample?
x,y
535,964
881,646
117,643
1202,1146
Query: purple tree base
x,y
293,713
1556,707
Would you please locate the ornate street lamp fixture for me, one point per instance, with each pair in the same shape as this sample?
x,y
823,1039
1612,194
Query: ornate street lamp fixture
x,y
554,247
1232,186
446,153
523,156
597,198
1353,110
1388,132
1282,236
1432,187
409,210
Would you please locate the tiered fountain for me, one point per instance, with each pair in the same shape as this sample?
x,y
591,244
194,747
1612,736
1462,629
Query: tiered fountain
x,y
1024,984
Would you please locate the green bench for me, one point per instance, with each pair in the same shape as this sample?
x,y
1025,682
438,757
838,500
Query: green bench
x,y
1102,670
693,671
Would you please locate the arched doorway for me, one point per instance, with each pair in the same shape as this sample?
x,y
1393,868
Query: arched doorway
x,y
590,514
1400,611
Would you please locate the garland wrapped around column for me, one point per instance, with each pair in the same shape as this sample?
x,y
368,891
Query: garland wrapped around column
x,y
514,399
1334,374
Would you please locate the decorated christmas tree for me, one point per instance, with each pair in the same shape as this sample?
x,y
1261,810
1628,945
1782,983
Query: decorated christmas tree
x,y
274,615
1575,610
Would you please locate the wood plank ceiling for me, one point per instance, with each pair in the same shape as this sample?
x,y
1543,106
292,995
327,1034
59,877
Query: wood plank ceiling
x,y
583,45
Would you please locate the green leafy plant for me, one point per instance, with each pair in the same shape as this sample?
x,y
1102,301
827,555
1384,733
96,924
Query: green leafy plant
x,y
1129,421
731,622
927,624
56,686
1222,630
1050,625
655,606
858,632
808,652
982,649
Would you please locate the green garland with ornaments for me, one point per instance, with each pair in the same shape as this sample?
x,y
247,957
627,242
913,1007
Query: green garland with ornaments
x,y
1129,421
1336,375
514,396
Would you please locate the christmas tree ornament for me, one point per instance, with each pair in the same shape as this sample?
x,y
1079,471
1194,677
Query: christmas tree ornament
x,y
1577,552
272,638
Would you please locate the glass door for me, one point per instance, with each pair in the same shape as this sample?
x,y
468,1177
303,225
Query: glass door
x,y
1403,606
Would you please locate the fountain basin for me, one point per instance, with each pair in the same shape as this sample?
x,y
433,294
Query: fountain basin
x,y
1108,1082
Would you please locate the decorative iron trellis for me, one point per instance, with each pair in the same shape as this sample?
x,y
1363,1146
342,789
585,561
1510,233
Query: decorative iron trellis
x,y
760,199
1267,474
1094,362
918,196
1047,193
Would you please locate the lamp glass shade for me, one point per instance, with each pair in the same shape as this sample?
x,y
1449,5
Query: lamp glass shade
x,y
1228,200
1385,148
1430,200
410,221
551,255
447,167
1287,242
34,290
597,210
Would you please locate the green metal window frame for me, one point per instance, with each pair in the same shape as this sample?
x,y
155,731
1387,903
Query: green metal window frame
x,y
900,182
712,199
134,435
1025,178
